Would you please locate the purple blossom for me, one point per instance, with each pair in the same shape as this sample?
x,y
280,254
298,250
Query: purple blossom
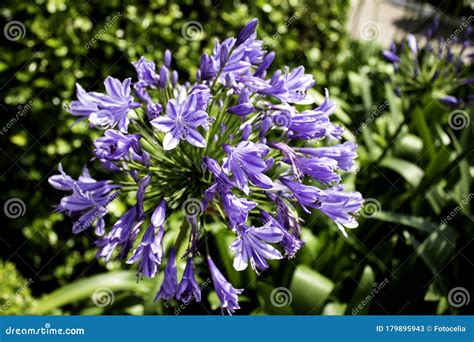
x,y
146,72
246,32
320,169
106,110
169,288
88,201
167,58
262,68
115,145
290,243
123,233
182,120
450,101
289,87
245,161
245,107
315,123
252,244
344,154
142,185
390,56
150,250
237,209
188,288
227,294
340,207
307,195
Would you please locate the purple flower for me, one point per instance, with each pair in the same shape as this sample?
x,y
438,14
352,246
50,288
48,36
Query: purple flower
x,y
142,185
227,294
88,201
167,58
209,67
272,160
233,58
188,288
237,209
217,171
181,122
344,154
290,243
262,68
390,56
115,145
106,110
85,104
146,72
164,76
289,87
150,250
245,161
123,233
340,207
153,110
320,169
450,101
245,107
335,203
307,196
247,31
169,288
252,244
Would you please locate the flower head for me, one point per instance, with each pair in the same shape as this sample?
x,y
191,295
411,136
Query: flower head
x,y
234,145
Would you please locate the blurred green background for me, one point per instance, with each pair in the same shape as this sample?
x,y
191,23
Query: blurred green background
x,y
414,169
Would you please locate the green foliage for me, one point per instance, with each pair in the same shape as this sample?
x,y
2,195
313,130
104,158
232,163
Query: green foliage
x,y
15,293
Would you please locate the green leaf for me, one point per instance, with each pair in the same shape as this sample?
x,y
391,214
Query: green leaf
x,y
310,290
364,288
411,172
421,126
436,249
84,288
420,223
334,309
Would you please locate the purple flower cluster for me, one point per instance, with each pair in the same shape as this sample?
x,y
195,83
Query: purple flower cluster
x,y
435,66
241,142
